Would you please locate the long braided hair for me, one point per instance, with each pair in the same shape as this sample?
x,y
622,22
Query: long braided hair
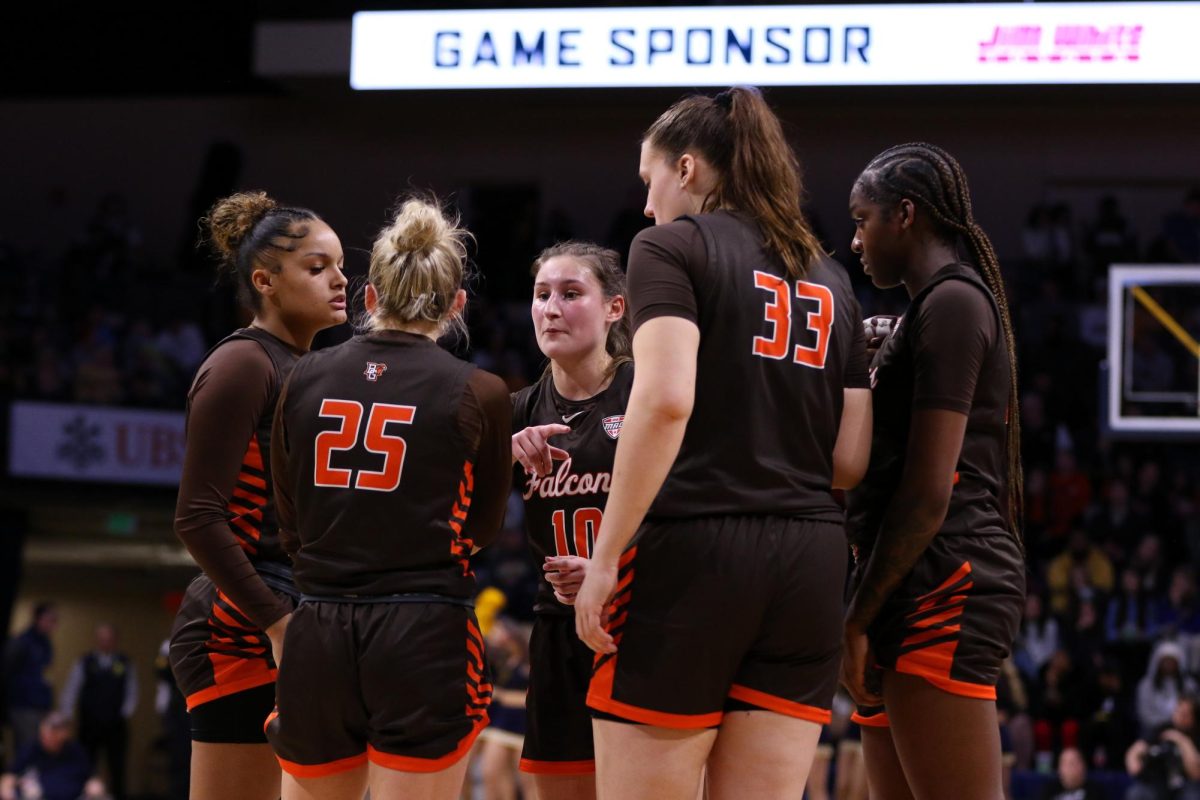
x,y
932,179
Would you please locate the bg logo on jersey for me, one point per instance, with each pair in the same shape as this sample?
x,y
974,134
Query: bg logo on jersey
x,y
612,425
374,370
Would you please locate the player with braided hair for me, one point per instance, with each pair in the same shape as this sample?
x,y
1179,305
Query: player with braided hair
x,y
226,641
939,581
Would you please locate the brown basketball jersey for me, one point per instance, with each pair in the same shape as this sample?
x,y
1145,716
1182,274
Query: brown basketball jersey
x,y
379,466
775,355
563,510
977,502
250,509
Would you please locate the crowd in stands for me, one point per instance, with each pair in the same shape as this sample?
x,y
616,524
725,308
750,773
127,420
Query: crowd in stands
x,y
1104,673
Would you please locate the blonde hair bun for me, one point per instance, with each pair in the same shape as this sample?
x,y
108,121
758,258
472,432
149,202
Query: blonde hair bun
x,y
418,264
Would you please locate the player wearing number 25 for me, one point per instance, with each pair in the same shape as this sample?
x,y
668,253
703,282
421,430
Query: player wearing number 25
x,y
392,465
718,625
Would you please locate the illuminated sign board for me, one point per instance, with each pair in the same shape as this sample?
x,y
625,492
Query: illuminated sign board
x,y
846,45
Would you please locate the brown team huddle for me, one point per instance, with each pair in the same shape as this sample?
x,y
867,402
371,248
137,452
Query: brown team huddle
x,y
682,462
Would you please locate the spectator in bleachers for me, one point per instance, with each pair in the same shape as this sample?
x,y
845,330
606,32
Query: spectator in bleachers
x,y
1038,639
1110,240
1070,493
1132,612
1113,522
1163,686
1082,567
1181,230
1057,705
1166,762
26,660
1111,725
1179,611
101,693
1072,783
52,767
1150,565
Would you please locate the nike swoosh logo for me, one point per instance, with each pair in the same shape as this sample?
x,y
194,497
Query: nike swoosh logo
x,y
569,417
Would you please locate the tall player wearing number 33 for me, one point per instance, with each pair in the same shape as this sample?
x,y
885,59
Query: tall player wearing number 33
x,y
391,462
718,628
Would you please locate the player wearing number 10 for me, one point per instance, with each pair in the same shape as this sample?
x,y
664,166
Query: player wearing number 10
x,y
749,406
579,318
392,464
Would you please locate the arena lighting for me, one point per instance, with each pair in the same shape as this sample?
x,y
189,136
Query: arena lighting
x,y
855,45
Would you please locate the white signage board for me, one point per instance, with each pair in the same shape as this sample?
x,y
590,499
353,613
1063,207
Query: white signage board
x,y
843,45
94,444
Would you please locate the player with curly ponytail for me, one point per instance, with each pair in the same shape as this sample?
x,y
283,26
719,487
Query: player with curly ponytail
x,y
939,583
227,638
717,627
391,463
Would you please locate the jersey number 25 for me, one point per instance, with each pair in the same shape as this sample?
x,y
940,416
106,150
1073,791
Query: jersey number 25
x,y
779,315
377,440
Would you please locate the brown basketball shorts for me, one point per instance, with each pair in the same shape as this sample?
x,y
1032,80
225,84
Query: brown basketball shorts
x,y
721,613
400,684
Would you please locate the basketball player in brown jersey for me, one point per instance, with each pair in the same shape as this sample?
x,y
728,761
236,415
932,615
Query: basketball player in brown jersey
x,y
718,626
579,319
939,583
226,640
392,464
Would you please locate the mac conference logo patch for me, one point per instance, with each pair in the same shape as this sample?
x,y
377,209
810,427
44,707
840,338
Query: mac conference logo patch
x,y
612,425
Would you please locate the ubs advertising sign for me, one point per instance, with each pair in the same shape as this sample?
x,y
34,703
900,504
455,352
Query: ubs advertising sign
x,y
846,45
85,443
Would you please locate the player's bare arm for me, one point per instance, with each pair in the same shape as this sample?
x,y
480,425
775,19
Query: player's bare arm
x,y
660,405
913,518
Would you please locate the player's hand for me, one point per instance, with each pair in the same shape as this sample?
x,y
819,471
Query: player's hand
x,y
531,448
275,633
566,574
591,606
859,673
876,330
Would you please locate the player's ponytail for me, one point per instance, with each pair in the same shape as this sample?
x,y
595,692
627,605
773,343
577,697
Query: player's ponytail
x,y
605,265
248,230
758,172
933,180
418,264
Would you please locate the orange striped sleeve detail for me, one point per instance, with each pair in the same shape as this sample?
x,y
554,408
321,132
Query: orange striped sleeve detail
x,y
253,457
252,480
256,500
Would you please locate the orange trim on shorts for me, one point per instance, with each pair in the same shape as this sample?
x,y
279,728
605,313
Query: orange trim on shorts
x,y
976,691
600,698
322,770
414,764
270,718
225,689
779,705
533,767
879,720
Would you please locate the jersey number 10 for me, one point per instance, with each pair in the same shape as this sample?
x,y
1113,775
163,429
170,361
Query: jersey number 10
x,y
377,440
779,314
584,524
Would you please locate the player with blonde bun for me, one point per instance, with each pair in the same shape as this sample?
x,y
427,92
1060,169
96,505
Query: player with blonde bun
x,y
391,466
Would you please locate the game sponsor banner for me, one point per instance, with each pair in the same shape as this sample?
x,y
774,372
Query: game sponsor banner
x,y
88,443
845,45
